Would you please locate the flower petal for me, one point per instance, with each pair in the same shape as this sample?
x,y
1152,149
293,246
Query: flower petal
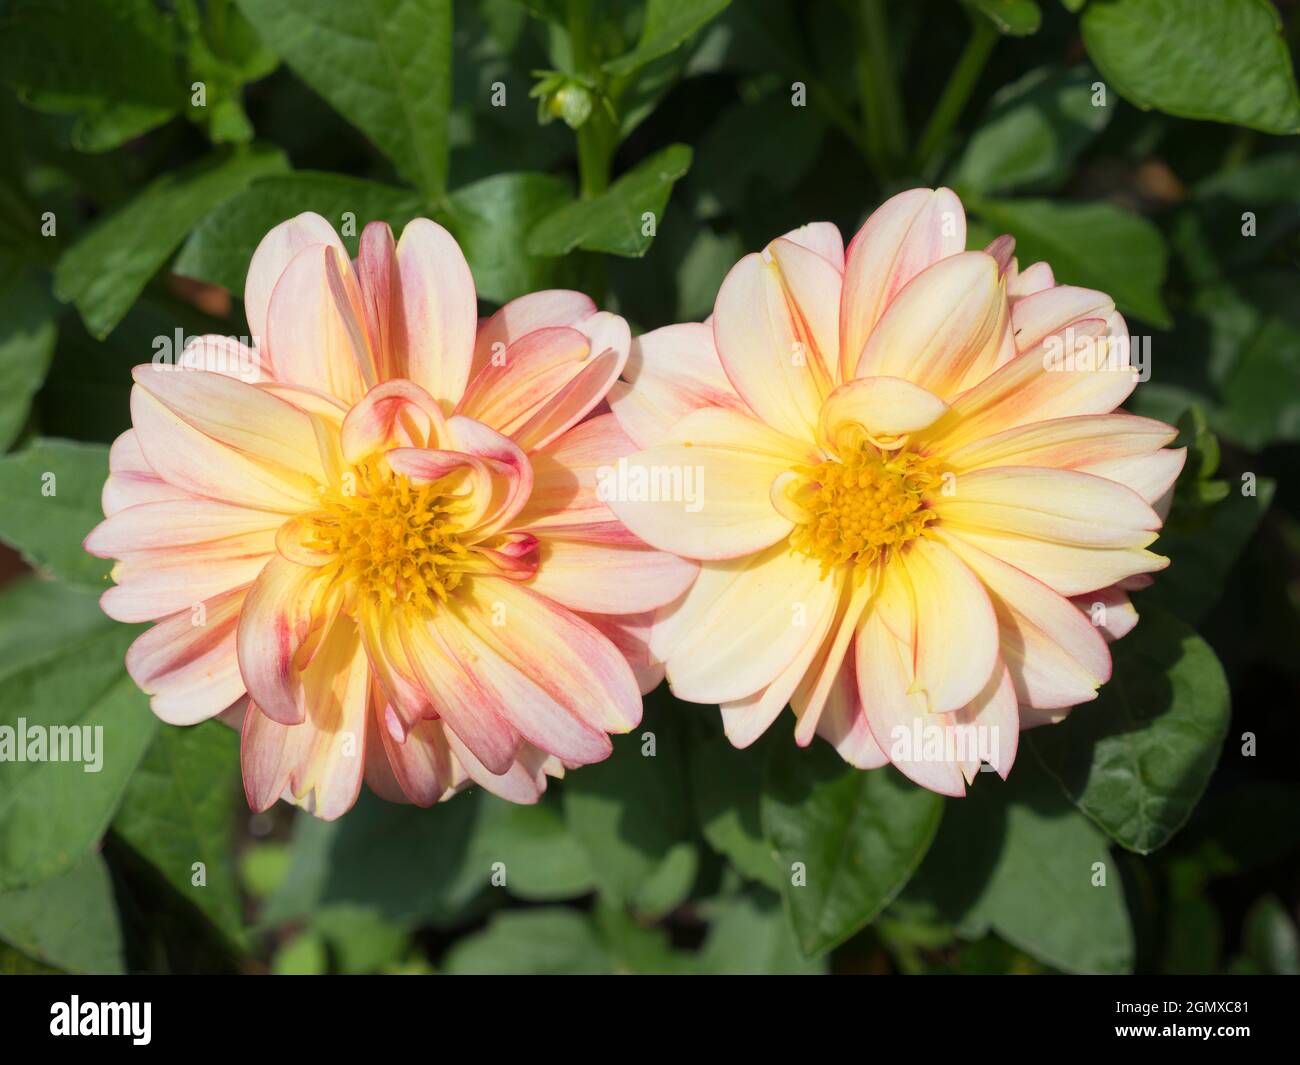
x,y
1061,505
669,373
282,610
706,491
248,419
945,329
315,326
1056,657
903,236
519,317
566,483
203,466
439,311
743,632
812,286
761,351
321,760
897,715
274,253
956,629
395,414
187,662
605,578
879,406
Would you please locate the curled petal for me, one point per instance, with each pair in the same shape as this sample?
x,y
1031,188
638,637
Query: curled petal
x,y
274,253
395,414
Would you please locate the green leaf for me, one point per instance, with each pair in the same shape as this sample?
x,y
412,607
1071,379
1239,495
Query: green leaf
x,y
547,941
632,815
49,501
38,616
179,809
359,940
384,65
667,24
491,220
542,861
107,269
1271,939
1015,18
1203,551
52,812
1222,60
111,63
1137,760
68,921
857,837
750,935
27,333
1094,245
222,244
614,221
304,955
402,862
726,785
1032,132
1019,859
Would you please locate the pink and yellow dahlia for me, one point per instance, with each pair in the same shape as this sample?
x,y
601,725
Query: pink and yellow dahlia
x,y
912,486
386,556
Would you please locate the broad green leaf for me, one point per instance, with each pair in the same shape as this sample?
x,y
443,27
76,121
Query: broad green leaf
x,y
1138,758
107,269
359,940
68,922
635,947
49,501
545,941
1203,550
1222,60
491,220
667,24
39,616
384,65
540,859
1019,859
1032,132
179,809
53,812
749,935
27,333
847,840
1016,18
219,249
111,63
1271,939
632,815
1094,245
623,219
726,785
402,862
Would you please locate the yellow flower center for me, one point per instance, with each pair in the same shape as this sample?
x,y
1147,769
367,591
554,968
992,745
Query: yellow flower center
x,y
863,505
397,542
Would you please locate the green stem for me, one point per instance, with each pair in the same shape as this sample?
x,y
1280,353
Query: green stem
x,y
884,132
595,145
961,83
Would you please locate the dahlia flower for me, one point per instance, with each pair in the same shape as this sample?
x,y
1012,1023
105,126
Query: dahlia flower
x,y
917,504
385,557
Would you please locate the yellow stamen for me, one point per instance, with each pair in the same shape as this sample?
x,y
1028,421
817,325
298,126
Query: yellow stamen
x,y
863,505
394,541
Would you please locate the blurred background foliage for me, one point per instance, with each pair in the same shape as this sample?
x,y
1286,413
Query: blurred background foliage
x,y
540,132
